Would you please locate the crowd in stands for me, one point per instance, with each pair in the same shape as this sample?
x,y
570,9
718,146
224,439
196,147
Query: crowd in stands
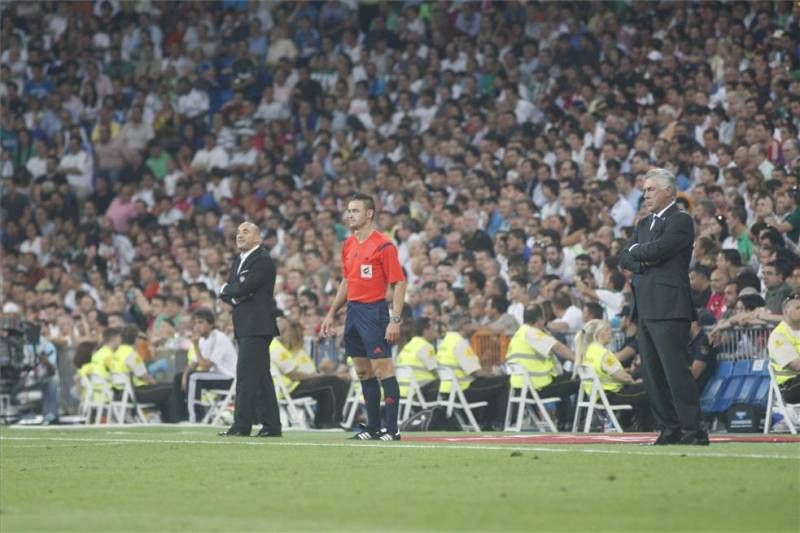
x,y
505,143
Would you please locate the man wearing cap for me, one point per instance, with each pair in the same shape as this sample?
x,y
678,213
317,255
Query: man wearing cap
x,y
659,256
249,289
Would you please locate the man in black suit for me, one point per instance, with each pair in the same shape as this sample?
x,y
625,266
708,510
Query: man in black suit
x,y
249,289
659,257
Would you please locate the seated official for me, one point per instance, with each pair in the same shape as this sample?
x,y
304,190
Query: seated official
x,y
703,354
784,350
301,378
101,361
533,348
419,354
629,350
211,364
591,344
127,361
478,384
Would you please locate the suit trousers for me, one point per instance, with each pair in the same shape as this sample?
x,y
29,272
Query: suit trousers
x,y
663,345
255,392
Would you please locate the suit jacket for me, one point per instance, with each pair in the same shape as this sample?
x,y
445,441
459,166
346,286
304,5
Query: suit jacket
x,y
251,292
660,266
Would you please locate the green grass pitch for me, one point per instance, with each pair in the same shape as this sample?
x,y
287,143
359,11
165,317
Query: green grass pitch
x,y
185,478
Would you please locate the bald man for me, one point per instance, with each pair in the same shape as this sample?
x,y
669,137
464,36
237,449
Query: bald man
x,y
249,289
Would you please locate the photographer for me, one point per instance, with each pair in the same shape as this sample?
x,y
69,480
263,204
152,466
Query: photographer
x,y
40,372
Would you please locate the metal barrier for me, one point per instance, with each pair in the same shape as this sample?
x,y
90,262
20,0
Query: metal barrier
x,y
745,343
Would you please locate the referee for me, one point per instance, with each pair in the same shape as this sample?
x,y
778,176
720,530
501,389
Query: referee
x,y
369,264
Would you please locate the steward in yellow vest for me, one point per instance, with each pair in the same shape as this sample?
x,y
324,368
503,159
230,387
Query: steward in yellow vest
x,y
127,361
299,374
784,350
620,387
102,360
420,355
535,350
477,383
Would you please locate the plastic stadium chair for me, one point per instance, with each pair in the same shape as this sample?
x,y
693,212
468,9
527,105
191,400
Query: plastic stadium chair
x,y
730,389
721,376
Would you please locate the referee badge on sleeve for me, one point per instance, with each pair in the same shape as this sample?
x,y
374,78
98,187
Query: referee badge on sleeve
x,y
366,271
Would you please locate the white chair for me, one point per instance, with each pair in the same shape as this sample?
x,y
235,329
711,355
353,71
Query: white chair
x,y
297,412
221,403
96,397
790,411
354,401
589,400
414,398
207,398
127,401
455,401
519,397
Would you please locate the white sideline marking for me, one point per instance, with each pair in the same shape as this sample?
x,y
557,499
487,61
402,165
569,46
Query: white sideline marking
x,y
500,448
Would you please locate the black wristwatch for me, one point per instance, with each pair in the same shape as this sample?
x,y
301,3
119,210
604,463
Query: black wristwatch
x,y
396,319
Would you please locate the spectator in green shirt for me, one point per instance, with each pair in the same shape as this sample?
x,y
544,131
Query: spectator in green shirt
x,y
739,238
157,162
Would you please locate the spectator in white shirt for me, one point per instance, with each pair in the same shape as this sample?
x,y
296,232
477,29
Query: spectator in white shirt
x,y
271,109
193,103
211,155
568,316
77,165
610,296
212,364
620,213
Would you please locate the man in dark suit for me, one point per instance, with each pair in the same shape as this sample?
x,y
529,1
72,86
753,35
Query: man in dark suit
x,y
659,257
249,289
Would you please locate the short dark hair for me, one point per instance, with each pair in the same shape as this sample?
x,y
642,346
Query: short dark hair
x,y
478,278
204,314
420,325
499,303
367,200
129,334
595,309
110,333
533,314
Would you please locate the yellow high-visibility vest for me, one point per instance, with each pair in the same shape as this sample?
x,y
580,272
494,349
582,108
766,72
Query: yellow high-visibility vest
x,y
540,366
446,356
408,357
782,375
119,364
102,360
596,354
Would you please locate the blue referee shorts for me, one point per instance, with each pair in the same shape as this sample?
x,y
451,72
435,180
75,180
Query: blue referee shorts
x,y
365,330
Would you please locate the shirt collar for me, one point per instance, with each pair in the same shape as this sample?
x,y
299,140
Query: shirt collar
x,y
660,214
245,255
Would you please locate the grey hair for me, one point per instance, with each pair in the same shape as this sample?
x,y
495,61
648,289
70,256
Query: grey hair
x,y
663,177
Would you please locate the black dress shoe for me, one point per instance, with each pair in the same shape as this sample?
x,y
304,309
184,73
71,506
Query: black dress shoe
x,y
695,438
233,433
667,437
265,433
